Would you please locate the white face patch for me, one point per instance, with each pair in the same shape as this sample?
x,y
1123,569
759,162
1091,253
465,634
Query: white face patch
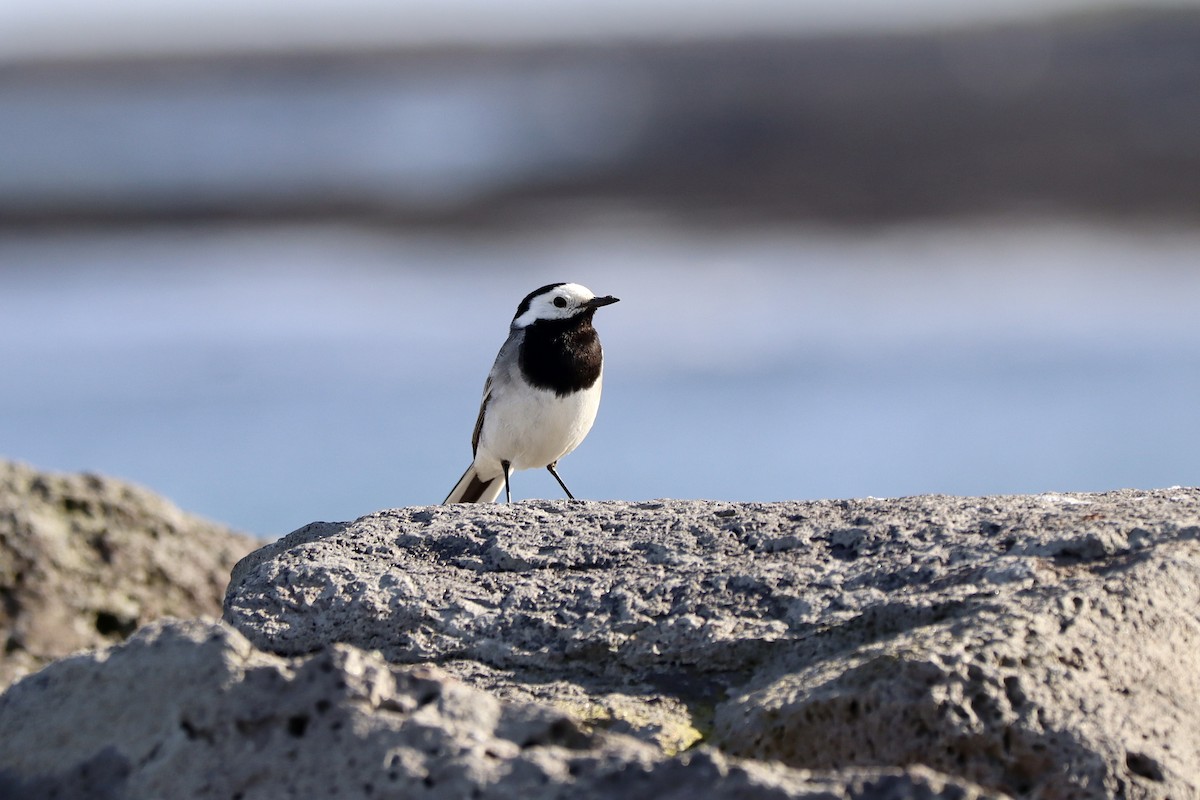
x,y
560,302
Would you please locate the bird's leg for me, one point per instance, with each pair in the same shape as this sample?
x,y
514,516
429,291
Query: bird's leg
x,y
507,491
554,471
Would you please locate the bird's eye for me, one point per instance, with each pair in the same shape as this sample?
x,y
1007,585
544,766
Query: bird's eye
x,y
561,302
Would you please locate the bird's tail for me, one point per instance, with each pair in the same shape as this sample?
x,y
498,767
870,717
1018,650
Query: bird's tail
x,y
471,489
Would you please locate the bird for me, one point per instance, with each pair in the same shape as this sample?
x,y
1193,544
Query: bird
x,y
541,396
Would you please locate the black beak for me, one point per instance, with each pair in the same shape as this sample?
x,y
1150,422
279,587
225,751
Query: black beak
x,y
596,302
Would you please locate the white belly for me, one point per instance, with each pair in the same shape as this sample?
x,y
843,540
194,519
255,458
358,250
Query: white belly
x,y
533,428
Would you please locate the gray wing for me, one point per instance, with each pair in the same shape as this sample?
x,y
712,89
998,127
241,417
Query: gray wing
x,y
487,395
505,363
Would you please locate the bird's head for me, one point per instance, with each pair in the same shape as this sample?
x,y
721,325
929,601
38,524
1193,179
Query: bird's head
x,y
558,301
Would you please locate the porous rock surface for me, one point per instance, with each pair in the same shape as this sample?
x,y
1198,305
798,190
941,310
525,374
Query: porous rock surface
x,y
1038,646
1041,646
191,709
85,560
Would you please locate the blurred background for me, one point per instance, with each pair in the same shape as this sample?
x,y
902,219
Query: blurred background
x,y
259,255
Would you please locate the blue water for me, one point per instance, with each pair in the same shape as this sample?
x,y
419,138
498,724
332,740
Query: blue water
x,y
269,376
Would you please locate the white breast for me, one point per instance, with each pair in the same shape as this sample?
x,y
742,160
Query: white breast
x,y
531,428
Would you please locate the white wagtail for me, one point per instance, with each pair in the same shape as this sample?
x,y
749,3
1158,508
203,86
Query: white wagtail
x,y
541,397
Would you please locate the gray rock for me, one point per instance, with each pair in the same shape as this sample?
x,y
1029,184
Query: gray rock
x,y
191,709
1041,646
85,560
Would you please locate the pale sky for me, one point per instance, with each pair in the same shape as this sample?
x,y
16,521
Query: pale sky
x,y
33,29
